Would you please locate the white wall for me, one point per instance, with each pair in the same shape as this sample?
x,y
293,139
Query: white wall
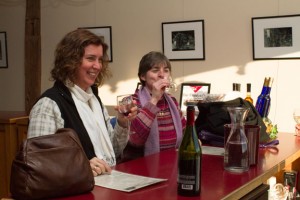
x,y
12,79
136,30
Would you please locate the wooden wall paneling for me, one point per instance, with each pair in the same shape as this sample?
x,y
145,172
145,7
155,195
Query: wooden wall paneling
x,y
32,53
3,175
9,145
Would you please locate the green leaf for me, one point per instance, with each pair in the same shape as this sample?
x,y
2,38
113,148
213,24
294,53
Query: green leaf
x,y
273,132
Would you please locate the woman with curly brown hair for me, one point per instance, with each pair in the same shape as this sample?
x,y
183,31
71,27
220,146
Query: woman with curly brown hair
x,y
80,66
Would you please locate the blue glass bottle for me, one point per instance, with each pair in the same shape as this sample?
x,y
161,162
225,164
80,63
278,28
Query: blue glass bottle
x,y
263,102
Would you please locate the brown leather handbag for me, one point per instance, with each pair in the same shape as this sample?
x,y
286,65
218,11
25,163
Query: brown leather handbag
x,y
51,166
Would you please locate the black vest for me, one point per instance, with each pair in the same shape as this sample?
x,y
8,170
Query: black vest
x,y
62,96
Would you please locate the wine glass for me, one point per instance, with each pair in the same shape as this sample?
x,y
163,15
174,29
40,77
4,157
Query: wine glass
x,y
172,87
296,115
125,103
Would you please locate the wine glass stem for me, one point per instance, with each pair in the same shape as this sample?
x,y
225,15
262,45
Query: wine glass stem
x,y
297,131
129,124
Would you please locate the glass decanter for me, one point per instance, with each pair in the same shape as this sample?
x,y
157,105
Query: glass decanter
x,y
236,158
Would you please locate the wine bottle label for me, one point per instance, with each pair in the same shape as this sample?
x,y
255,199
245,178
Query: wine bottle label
x,y
189,177
187,181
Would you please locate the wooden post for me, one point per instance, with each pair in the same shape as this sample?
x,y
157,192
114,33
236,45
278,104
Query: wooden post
x,y
32,53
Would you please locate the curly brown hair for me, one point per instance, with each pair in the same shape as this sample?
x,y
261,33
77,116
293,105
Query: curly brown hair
x,y
70,51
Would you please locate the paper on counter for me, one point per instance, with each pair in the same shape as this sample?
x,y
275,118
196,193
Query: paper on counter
x,y
209,150
124,181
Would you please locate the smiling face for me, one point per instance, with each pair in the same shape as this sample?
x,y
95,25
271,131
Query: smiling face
x,y
90,67
157,72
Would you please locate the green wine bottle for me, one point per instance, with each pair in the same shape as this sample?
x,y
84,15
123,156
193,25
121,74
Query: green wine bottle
x,y
189,159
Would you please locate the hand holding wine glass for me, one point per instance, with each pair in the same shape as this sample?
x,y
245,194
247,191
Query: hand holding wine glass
x,y
125,105
296,115
172,87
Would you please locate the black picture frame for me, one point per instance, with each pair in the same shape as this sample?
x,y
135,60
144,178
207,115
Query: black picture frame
x,y
183,40
192,91
106,33
276,37
3,51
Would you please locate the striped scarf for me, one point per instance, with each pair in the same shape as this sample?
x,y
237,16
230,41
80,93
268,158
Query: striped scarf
x,y
152,143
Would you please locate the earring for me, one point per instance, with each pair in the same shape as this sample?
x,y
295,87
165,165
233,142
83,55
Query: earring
x,y
69,83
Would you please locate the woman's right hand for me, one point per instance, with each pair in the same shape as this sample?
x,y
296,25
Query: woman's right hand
x,y
158,89
99,166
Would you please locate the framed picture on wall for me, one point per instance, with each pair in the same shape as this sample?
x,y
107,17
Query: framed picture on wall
x,y
276,37
183,40
105,33
3,50
192,92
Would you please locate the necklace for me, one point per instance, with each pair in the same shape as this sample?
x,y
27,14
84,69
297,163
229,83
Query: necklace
x,y
163,108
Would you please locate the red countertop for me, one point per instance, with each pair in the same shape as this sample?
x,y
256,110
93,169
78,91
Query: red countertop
x,y
216,183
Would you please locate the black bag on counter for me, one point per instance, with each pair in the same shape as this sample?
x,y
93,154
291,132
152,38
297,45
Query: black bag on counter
x,y
213,115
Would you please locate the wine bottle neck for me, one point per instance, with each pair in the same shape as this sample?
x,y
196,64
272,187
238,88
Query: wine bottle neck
x,y
238,87
264,90
248,87
190,115
268,90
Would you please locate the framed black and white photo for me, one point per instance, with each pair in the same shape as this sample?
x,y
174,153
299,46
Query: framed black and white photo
x,y
183,40
276,37
3,50
193,92
105,33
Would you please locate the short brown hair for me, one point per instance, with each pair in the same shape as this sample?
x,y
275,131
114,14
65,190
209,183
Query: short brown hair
x,y
150,60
